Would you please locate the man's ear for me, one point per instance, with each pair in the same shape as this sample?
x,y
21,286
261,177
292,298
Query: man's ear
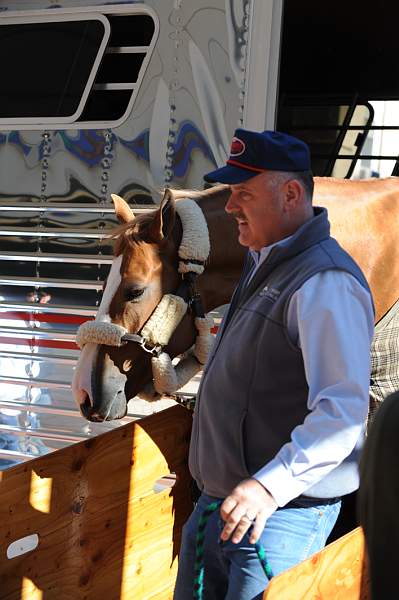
x,y
123,211
164,219
294,194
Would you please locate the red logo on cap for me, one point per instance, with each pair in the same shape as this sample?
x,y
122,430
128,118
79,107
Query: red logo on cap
x,y
237,147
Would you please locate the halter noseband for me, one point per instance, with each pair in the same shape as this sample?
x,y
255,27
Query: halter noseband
x,y
157,331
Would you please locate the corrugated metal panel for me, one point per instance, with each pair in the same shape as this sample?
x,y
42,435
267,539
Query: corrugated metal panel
x,y
56,214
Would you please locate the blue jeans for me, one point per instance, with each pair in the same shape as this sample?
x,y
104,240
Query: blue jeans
x,y
233,571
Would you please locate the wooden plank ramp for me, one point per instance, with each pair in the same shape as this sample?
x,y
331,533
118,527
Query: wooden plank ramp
x,y
103,532
338,572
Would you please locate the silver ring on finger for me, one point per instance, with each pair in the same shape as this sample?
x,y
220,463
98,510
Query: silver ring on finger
x,y
248,519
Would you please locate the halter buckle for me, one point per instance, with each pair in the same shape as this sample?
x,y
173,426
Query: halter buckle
x,y
154,350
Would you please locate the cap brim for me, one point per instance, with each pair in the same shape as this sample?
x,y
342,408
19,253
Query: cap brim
x,y
229,175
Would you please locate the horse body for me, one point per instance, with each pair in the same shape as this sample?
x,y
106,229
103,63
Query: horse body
x,y
364,218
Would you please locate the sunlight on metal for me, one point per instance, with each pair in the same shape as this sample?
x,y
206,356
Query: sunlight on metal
x,y
40,492
22,546
29,591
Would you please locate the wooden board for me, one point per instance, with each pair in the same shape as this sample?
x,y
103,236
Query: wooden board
x,y
103,531
338,572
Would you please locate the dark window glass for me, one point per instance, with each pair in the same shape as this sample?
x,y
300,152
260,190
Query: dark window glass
x,y
45,67
104,105
120,68
132,30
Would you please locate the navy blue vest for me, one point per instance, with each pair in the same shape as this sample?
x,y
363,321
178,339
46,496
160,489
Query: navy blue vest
x,y
254,391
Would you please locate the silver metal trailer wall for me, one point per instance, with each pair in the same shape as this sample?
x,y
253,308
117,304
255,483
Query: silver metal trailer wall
x,y
169,82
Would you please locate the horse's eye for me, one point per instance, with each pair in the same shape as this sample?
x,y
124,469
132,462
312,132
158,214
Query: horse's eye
x,y
133,294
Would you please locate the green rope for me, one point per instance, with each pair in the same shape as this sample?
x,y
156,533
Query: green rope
x,y
260,551
199,552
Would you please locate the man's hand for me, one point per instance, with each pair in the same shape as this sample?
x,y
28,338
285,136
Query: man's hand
x,y
248,504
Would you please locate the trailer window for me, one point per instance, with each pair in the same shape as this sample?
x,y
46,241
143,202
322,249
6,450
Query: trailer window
x,y
80,70
51,68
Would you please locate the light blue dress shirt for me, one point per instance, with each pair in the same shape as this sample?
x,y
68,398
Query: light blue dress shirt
x,y
331,319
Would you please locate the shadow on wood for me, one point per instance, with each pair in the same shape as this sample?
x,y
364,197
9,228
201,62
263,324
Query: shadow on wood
x,y
103,532
338,572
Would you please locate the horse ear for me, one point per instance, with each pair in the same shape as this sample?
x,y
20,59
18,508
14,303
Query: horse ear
x,y
164,219
123,211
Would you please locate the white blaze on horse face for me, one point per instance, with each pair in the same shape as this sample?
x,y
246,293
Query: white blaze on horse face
x,y
81,383
113,281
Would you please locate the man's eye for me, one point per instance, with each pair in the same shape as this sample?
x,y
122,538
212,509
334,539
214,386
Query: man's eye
x,y
133,295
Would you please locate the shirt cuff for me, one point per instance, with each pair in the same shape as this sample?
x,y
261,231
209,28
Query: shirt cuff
x,y
280,482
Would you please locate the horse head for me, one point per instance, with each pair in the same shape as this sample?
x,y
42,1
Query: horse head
x,y
150,283
143,270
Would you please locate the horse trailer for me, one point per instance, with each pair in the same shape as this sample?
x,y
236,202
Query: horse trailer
x,y
129,98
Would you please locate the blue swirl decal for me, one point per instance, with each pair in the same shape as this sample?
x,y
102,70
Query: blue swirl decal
x,y
139,145
14,137
88,146
188,139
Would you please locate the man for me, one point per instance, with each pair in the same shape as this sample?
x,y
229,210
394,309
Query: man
x,y
280,413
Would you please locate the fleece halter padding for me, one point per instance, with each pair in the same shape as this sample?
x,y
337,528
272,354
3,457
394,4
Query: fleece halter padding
x,y
195,244
97,332
169,378
157,331
159,328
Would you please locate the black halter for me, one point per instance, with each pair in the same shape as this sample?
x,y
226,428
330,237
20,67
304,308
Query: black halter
x,y
188,291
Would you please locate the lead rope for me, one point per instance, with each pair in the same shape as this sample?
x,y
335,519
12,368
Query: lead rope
x,y
199,552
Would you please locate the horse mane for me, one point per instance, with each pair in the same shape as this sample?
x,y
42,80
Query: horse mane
x,y
129,235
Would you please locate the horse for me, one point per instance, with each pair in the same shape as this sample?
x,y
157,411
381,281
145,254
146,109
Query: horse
x,y
364,217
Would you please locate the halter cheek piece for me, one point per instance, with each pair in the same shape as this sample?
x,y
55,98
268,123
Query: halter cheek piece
x,y
157,331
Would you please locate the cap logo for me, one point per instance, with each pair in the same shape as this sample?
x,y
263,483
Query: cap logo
x,y
237,147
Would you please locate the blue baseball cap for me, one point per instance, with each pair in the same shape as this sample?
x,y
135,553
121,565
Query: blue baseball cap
x,y
254,152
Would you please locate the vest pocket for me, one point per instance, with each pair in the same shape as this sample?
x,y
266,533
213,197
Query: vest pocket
x,y
241,443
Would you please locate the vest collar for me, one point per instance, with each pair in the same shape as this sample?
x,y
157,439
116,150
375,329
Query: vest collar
x,y
310,233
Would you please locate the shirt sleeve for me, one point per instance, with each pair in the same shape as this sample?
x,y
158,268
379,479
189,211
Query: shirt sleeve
x,y
331,318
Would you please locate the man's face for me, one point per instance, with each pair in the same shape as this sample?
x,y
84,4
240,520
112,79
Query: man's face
x,y
257,207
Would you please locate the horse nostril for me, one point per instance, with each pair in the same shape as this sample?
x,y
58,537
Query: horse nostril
x,y
86,402
85,405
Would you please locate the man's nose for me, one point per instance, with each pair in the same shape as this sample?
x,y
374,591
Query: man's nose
x,y
231,204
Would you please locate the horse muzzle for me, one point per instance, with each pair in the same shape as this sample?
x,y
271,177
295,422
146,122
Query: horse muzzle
x,y
108,399
114,408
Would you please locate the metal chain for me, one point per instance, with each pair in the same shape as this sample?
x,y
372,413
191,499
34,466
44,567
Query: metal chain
x,y
242,40
106,164
173,87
